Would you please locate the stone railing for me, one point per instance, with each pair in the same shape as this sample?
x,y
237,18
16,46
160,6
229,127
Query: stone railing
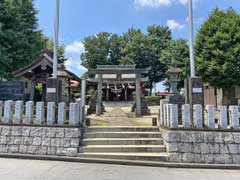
x,y
209,135
30,113
210,117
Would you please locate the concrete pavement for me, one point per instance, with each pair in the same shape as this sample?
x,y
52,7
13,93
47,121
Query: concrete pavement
x,y
17,169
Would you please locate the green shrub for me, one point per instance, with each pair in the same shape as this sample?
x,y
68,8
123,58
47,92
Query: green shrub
x,y
153,100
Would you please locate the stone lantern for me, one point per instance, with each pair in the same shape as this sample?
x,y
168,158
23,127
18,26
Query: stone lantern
x,y
173,78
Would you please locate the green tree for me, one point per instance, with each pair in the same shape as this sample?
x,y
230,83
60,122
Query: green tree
x,y
177,54
144,50
96,50
218,49
49,44
20,40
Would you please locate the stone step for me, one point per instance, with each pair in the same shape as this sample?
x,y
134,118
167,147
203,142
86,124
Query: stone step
x,y
122,141
122,129
128,156
123,135
123,148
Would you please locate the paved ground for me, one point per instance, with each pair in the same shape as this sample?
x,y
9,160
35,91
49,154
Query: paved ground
x,y
119,114
15,169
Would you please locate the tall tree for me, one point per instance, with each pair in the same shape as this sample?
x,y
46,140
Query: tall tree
x,y
49,44
20,40
218,49
177,54
97,50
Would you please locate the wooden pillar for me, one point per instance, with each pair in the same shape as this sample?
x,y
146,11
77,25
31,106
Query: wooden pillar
x,y
32,93
138,97
99,96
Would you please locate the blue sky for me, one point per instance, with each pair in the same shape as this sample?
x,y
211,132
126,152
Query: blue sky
x,y
81,18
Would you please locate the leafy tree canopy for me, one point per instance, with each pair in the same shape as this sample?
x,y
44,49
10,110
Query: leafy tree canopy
x,y
218,49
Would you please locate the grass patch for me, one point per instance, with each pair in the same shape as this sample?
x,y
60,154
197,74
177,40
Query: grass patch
x,y
139,122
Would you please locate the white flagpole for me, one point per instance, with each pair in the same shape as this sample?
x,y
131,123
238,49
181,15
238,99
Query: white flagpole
x,y
191,39
56,31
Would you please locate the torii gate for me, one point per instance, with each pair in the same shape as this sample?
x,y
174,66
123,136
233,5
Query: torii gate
x,y
118,74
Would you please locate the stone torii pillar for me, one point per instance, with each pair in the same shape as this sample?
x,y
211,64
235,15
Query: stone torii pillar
x,y
138,97
99,96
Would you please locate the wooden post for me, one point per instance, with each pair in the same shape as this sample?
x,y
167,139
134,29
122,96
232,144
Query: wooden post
x,y
99,96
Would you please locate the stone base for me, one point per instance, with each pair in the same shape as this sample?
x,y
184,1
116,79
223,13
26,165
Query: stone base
x,y
93,103
144,107
194,146
40,140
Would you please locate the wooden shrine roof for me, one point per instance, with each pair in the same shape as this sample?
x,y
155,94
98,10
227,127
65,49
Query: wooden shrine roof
x,y
44,64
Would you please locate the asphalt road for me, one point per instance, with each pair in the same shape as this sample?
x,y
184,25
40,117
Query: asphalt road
x,y
16,169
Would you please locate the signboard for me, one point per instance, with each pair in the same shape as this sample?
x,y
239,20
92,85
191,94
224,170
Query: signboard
x,y
51,90
197,90
12,90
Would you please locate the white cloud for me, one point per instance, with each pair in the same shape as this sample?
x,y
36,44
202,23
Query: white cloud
x,y
74,65
152,3
76,47
73,52
183,2
174,25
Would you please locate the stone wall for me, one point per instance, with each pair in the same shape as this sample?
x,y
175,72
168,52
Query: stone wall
x,y
205,146
39,140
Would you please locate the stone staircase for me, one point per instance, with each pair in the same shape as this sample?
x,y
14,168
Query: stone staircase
x,y
123,143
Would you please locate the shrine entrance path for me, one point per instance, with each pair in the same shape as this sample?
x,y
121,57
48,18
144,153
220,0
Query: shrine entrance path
x,y
119,114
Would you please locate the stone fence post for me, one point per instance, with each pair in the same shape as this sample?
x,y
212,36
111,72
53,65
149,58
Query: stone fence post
x,y
61,113
198,116
29,112
234,117
74,114
173,115
210,123
50,113
18,114
40,113
186,116
222,117
8,111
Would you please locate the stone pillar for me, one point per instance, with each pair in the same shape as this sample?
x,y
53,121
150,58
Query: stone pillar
x,y
173,115
138,98
1,110
54,90
61,113
165,109
125,93
222,117
8,112
198,116
29,112
194,92
51,113
99,96
18,112
186,116
168,115
107,94
210,116
32,93
74,114
234,113
162,102
40,113
83,102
